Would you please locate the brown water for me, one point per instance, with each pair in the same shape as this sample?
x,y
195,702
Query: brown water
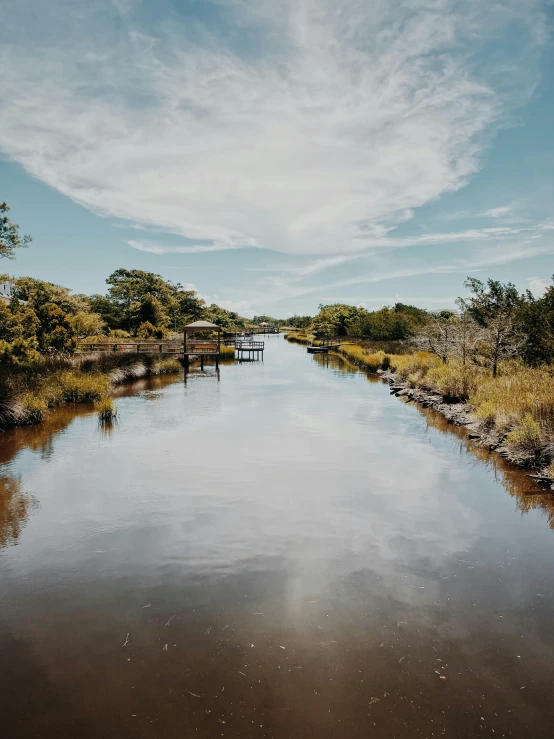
x,y
286,551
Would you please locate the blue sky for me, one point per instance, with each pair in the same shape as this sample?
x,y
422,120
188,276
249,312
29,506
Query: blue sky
x,y
279,155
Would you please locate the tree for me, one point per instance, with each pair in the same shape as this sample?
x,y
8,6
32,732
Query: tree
x,y
537,319
335,319
151,310
495,307
438,336
465,333
10,238
87,324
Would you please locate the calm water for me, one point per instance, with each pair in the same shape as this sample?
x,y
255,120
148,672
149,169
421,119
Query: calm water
x,y
286,551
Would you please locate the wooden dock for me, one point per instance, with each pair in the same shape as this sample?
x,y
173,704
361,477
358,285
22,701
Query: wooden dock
x,y
248,349
244,348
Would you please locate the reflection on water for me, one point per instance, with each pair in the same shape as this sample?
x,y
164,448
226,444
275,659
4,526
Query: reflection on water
x,y
15,507
281,551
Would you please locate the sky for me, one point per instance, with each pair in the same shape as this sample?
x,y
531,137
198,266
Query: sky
x,y
279,155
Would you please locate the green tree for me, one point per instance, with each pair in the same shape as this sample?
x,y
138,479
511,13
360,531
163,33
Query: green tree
x,y
151,310
87,324
335,319
10,238
537,320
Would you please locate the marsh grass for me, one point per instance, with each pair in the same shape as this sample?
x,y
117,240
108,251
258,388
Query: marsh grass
x,y
299,337
106,410
28,393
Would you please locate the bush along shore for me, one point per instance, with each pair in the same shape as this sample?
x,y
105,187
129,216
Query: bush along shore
x,y
511,413
30,391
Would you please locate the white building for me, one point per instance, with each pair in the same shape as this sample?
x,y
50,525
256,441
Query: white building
x,y
6,291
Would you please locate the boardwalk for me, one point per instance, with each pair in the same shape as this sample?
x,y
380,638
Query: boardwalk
x,y
244,348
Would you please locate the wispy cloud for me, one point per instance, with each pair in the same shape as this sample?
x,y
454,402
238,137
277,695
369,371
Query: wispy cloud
x,y
496,212
154,247
325,127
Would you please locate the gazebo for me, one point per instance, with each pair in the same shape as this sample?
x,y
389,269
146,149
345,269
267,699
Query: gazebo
x,y
201,347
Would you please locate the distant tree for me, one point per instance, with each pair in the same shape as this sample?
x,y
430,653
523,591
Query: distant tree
x,y
220,316
495,308
10,238
335,319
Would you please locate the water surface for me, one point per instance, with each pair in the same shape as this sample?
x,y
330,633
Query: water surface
x,y
283,550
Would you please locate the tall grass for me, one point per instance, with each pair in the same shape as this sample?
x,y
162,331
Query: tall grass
x,y
299,337
106,410
28,393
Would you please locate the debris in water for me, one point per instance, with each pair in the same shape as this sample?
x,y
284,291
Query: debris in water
x,y
280,647
165,648
194,694
126,640
148,606
373,700
243,673
170,620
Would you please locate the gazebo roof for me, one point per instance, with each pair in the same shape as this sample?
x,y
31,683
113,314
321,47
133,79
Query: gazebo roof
x,y
202,325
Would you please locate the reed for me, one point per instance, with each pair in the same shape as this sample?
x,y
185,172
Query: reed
x,y
106,410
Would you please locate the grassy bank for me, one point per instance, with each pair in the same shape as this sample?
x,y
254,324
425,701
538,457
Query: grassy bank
x,y
300,337
28,392
513,412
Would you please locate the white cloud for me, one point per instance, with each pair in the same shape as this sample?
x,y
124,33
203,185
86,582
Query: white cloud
x,y
242,307
496,212
319,139
154,247
538,286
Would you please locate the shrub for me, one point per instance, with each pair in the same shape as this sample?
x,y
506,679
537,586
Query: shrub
x,y
19,353
118,333
227,351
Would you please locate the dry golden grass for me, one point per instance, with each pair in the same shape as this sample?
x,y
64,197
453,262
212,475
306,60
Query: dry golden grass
x,y
520,391
300,337
106,410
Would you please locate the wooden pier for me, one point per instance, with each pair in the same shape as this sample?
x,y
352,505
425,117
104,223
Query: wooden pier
x,y
247,349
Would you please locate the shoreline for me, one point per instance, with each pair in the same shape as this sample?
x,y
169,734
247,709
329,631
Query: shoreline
x,y
458,413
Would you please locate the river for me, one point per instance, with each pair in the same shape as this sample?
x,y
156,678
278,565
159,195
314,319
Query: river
x,y
282,551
